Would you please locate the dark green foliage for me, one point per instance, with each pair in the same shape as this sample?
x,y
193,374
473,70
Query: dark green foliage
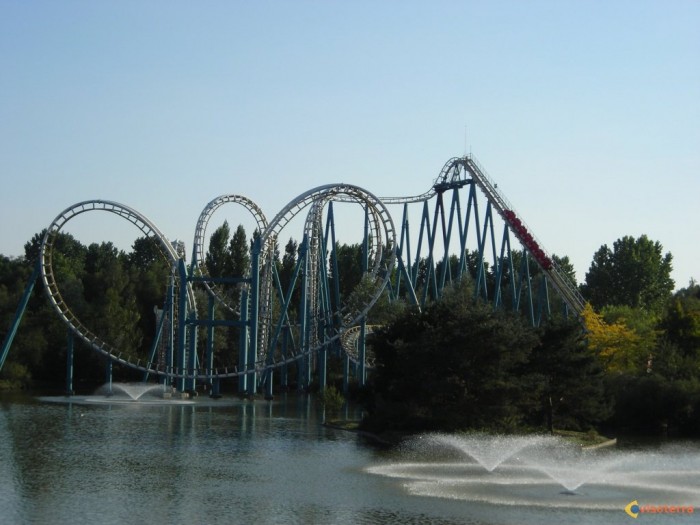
x,y
461,365
570,378
350,270
634,273
238,252
653,405
453,366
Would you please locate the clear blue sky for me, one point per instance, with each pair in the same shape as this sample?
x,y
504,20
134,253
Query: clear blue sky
x,y
586,113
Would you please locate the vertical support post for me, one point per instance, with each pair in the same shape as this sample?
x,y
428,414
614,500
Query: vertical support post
x,y
362,365
268,384
243,345
190,382
170,343
530,306
543,300
253,321
108,374
284,372
69,363
362,354
303,366
209,356
182,327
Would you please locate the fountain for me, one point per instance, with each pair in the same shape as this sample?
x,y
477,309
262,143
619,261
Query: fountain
x,y
140,394
133,391
541,471
490,450
126,393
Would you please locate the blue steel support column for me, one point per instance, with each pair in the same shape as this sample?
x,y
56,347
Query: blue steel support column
x,y
243,344
268,384
464,232
447,236
362,368
253,321
528,279
156,342
170,349
543,301
284,378
481,238
303,363
182,327
209,356
7,343
108,374
190,382
69,363
335,301
362,354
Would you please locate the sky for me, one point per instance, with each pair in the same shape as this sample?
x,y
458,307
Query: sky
x,y
585,113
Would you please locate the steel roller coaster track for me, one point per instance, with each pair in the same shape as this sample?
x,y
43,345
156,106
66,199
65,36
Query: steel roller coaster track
x,y
385,249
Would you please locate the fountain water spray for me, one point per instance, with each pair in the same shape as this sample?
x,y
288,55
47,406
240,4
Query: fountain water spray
x,y
133,391
491,450
532,470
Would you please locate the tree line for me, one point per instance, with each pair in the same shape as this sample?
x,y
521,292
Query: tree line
x,y
630,365
637,363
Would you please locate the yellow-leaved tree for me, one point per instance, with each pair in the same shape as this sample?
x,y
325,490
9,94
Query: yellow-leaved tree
x,y
620,347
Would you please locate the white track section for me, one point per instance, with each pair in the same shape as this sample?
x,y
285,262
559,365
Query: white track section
x,y
382,254
314,232
349,343
200,237
47,273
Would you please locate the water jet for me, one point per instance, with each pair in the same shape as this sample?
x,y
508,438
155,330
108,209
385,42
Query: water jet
x,y
543,471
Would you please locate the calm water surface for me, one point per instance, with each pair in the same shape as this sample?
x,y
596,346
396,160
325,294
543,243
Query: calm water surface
x,y
216,462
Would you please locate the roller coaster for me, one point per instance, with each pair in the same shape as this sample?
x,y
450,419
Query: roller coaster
x,y
466,228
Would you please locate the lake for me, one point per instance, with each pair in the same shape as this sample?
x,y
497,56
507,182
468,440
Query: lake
x,y
90,460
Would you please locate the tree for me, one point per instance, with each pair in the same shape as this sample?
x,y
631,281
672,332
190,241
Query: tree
x,y
217,258
240,257
634,273
680,354
289,260
144,252
570,377
456,365
349,259
620,347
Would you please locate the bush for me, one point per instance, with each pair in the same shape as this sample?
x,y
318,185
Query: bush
x,y
332,399
14,376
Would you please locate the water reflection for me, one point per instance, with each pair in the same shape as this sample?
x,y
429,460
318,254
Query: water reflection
x,y
231,462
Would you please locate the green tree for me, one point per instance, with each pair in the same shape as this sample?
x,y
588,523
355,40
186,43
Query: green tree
x,y
349,259
679,356
570,378
145,252
289,260
239,253
456,365
634,273
218,259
